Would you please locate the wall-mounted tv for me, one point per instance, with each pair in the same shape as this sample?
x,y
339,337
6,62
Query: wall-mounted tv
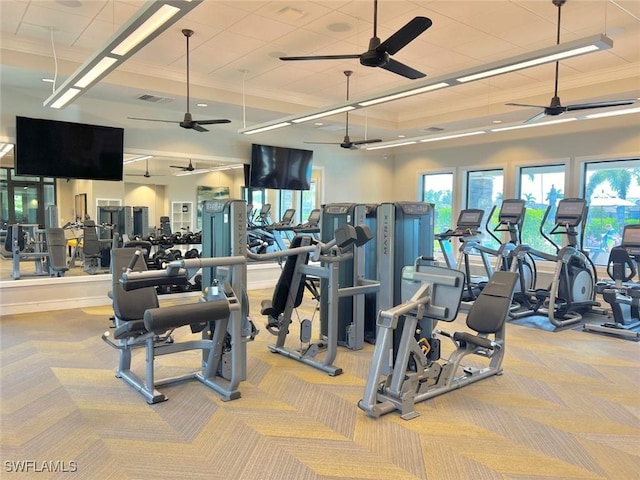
x,y
52,148
280,168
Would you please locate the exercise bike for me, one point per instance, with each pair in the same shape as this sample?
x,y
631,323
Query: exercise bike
x,y
572,290
623,295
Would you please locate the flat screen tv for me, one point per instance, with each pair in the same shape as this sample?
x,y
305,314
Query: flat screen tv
x,y
280,168
52,148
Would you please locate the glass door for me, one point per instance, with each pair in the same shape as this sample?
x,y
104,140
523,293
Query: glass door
x,y
26,204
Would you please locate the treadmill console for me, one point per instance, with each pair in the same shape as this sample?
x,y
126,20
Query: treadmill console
x,y
570,211
468,224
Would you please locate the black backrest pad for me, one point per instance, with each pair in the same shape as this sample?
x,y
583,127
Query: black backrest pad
x,y
90,243
283,287
489,312
56,246
159,320
129,305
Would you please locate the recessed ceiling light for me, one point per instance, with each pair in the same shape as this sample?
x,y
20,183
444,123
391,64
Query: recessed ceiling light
x,y
339,27
318,124
202,105
496,121
401,136
291,13
47,80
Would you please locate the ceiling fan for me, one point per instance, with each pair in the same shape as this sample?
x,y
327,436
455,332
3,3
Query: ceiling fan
x,y
146,173
555,107
188,122
347,143
188,168
379,54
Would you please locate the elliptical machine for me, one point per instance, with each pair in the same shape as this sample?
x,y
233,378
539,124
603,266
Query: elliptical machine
x,y
572,290
623,295
510,219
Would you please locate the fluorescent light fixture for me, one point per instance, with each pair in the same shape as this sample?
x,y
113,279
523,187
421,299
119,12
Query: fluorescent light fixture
x,y
101,67
613,113
559,52
5,148
408,93
136,159
377,147
531,125
153,18
324,114
448,137
269,127
65,98
538,57
154,22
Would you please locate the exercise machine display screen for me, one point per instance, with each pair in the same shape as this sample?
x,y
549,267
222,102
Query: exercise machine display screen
x,y
314,217
512,209
570,211
470,218
631,236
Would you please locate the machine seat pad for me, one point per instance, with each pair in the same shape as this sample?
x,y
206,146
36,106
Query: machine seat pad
x,y
129,329
159,320
465,337
266,308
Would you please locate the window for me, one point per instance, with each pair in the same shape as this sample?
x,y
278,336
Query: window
x,y
303,201
612,191
484,191
540,187
437,188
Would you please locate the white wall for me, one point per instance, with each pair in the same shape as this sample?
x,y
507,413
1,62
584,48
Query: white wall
x,y
354,176
594,140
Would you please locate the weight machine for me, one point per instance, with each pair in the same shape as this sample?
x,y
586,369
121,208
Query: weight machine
x,y
220,316
290,288
416,375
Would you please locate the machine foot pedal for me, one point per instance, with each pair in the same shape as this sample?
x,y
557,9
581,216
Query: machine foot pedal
x,y
305,330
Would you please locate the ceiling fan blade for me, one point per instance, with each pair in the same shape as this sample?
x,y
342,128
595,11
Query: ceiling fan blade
x,y
402,69
153,120
405,35
364,142
212,122
535,118
322,57
198,128
322,143
177,166
525,105
586,106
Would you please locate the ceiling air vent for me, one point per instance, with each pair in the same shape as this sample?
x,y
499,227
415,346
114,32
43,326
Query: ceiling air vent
x,y
434,129
146,97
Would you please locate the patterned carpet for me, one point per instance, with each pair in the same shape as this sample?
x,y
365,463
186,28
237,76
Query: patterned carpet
x,y
566,407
